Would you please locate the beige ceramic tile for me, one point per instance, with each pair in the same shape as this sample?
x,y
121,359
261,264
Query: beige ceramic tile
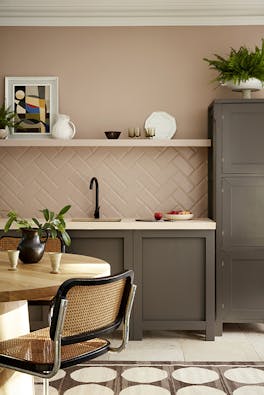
x,y
149,352
255,334
236,344
153,347
134,182
219,350
232,332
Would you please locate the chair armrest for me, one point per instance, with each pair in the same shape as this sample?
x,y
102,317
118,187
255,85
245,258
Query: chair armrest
x,y
125,331
50,312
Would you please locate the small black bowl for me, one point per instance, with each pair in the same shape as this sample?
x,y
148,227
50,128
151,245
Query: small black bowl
x,y
112,134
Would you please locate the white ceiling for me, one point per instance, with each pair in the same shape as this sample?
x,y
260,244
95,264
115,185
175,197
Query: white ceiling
x,y
130,12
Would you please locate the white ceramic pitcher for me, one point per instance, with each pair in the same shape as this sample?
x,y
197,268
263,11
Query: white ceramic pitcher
x,y
63,128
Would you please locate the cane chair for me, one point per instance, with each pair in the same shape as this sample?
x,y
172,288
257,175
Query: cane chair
x,y
11,243
84,310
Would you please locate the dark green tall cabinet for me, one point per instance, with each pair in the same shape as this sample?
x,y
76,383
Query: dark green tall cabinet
x,y
236,203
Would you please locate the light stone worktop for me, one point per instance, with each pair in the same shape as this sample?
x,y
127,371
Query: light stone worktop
x,y
131,224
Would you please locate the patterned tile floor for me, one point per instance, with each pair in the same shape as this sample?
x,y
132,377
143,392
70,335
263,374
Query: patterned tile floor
x,y
158,378
239,343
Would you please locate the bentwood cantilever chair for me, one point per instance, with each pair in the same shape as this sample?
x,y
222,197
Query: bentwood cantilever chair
x,y
84,310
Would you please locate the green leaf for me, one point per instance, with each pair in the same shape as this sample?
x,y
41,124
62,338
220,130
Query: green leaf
x,y
239,65
66,238
62,222
53,233
64,210
8,223
61,228
36,222
45,212
54,223
6,116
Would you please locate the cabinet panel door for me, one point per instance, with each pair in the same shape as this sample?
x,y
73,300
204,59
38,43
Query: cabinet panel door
x,y
115,247
243,211
243,286
173,278
243,138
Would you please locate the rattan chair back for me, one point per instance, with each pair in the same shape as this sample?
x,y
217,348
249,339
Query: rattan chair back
x,y
54,245
95,306
11,243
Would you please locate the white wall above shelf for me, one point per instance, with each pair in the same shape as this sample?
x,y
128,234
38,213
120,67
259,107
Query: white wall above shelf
x,y
50,142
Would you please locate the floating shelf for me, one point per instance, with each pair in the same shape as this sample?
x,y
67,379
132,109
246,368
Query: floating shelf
x,y
50,142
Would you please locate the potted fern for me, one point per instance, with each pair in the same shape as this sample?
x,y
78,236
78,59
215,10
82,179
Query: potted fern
x,y
32,244
242,70
7,118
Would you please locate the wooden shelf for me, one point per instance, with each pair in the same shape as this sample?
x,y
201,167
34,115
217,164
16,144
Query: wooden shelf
x,y
50,142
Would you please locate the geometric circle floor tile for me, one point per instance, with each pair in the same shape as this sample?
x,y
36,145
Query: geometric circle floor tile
x,y
94,374
245,375
158,378
199,390
89,389
195,375
249,390
144,389
144,374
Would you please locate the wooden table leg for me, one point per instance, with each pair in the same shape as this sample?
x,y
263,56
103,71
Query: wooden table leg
x,y
14,321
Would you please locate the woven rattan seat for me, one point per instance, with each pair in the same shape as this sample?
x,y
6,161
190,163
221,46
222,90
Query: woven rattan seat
x,y
37,349
84,312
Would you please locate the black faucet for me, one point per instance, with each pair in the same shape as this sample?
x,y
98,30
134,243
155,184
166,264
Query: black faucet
x,y
96,211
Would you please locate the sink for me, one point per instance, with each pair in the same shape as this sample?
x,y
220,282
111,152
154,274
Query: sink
x,y
96,219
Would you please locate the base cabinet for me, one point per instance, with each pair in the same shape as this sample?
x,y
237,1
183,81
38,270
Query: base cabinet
x,y
175,276
174,272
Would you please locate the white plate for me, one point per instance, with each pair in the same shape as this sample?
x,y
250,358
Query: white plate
x,y
178,217
164,124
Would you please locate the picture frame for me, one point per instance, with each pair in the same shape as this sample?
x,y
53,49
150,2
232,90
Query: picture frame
x,y
35,102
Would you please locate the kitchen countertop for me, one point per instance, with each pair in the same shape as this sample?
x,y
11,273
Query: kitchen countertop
x,y
131,224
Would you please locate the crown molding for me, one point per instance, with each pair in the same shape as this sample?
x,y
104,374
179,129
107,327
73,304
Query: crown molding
x,y
131,13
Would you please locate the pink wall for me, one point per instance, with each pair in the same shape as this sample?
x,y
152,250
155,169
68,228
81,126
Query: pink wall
x,y
113,78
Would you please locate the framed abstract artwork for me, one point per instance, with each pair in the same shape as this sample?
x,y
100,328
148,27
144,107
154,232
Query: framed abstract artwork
x,y
35,102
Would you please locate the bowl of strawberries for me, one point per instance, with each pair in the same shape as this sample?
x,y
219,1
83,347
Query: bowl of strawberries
x,y
178,215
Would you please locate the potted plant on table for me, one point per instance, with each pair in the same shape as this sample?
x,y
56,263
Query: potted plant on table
x,y
242,70
7,119
32,246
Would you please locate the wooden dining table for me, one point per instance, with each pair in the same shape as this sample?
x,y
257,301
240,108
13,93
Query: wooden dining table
x,y
34,281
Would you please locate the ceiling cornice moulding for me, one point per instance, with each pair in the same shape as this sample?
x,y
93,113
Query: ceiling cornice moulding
x,y
131,12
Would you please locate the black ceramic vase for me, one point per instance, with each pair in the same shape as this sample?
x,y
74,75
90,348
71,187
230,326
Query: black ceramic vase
x,y
31,247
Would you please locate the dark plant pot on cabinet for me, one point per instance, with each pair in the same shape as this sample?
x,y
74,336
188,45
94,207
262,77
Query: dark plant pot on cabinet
x,y
31,247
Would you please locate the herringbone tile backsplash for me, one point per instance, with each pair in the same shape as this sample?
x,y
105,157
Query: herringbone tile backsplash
x,y
133,182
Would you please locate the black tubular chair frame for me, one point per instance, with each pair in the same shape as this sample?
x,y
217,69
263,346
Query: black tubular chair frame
x,y
56,329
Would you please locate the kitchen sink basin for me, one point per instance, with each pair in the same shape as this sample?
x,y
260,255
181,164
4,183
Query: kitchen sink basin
x,y
96,219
